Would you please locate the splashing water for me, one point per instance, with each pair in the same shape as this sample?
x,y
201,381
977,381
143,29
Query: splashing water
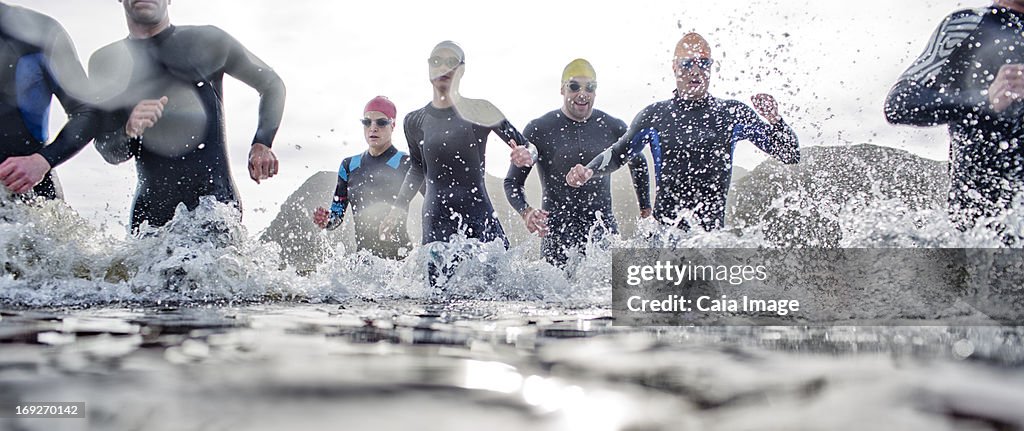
x,y
52,257
505,326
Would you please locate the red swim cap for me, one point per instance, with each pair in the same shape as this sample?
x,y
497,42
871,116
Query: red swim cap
x,y
383,105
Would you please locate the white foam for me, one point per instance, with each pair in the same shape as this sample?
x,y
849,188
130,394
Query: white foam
x,y
52,257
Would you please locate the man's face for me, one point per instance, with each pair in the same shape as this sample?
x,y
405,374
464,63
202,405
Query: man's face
x,y
378,130
692,65
693,76
445,66
146,12
579,93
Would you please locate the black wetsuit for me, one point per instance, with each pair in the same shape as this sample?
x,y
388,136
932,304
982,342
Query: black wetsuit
x,y
448,153
561,144
184,157
368,185
949,85
692,144
38,61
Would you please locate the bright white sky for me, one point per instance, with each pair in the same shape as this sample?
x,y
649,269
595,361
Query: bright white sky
x,y
830,64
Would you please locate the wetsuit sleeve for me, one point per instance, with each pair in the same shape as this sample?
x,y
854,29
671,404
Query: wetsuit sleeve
x,y
116,147
69,83
778,140
637,169
931,91
112,142
414,177
249,69
515,180
406,163
340,202
631,144
507,132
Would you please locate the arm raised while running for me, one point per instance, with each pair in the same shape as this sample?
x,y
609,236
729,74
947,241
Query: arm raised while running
x,y
523,153
931,91
515,192
639,173
775,137
628,147
246,67
330,220
71,88
108,75
67,81
414,177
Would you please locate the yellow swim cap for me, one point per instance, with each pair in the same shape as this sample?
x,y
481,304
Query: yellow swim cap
x,y
579,67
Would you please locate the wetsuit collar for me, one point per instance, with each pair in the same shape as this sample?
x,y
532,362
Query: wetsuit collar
x,y
159,37
386,154
439,112
571,120
690,104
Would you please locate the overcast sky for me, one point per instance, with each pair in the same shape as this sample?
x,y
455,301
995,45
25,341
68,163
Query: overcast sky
x,y
830,64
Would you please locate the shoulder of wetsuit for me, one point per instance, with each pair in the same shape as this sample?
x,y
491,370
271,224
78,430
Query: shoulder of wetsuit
x,y
965,16
29,27
403,159
732,106
545,122
108,51
211,31
415,118
978,12
659,106
343,168
206,36
605,118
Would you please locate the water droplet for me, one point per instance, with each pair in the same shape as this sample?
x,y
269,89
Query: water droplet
x,y
963,349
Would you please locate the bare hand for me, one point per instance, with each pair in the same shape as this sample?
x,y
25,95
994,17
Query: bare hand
x,y
522,157
20,174
646,213
536,221
144,116
766,105
578,176
389,225
320,217
1007,88
262,163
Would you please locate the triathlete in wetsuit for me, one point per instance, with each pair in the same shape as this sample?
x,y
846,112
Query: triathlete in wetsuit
x,y
447,142
38,61
447,152
574,134
692,138
368,184
971,78
162,93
